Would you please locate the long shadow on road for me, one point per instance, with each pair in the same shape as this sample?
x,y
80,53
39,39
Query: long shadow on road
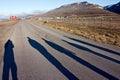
x,y
90,44
81,61
9,62
93,52
52,59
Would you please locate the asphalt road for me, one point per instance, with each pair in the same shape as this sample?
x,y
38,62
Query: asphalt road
x,y
36,52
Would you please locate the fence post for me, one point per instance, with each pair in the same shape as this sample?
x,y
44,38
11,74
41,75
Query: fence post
x,y
102,22
110,22
94,21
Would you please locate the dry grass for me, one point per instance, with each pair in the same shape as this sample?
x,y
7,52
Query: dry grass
x,y
107,32
3,23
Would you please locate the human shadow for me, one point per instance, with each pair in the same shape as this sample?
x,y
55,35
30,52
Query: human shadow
x,y
9,62
52,59
93,52
79,60
99,47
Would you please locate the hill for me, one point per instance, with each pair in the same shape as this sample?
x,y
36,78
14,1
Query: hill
x,y
79,9
113,8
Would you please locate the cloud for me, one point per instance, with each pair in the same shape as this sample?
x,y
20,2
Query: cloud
x,y
20,15
38,12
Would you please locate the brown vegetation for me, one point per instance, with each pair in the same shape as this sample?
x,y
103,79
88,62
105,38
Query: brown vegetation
x,y
3,23
105,29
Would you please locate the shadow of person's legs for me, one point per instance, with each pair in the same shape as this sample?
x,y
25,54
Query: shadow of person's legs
x,y
9,62
79,60
52,59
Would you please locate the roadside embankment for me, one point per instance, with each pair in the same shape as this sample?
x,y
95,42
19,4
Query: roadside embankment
x,y
109,34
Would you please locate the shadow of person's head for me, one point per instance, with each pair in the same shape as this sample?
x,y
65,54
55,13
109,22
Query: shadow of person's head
x,y
9,44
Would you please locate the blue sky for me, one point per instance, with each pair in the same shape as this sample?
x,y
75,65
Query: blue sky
x,y
9,7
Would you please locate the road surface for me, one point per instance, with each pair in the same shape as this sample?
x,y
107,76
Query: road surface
x,y
36,52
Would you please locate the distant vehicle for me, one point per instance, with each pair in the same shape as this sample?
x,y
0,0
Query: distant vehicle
x,y
12,18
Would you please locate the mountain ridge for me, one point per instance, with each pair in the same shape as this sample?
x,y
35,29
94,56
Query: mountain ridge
x,y
78,9
113,8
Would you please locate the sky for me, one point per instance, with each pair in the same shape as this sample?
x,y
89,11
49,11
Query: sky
x,y
15,7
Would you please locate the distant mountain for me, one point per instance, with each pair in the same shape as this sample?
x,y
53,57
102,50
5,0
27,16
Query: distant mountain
x,y
78,9
113,8
3,18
